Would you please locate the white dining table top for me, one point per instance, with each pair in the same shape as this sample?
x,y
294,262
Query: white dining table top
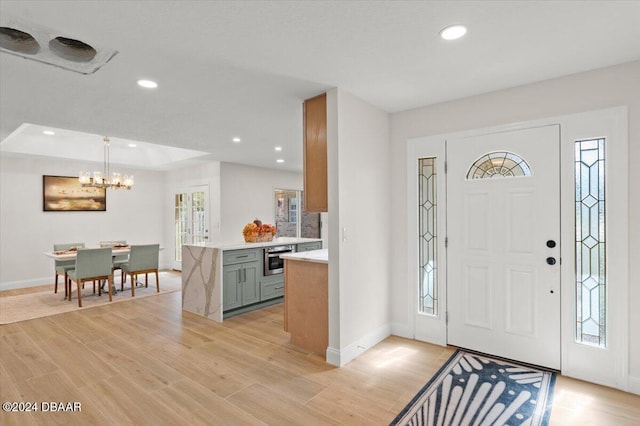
x,y
71,254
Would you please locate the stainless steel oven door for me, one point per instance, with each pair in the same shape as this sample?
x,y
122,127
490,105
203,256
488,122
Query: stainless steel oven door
x,y
272,263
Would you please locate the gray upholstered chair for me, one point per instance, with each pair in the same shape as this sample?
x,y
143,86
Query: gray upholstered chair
x,y
91,265
143,259
63,266
120,259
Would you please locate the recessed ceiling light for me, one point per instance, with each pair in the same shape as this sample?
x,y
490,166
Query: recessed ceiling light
x,y
278,148
280,160
49,132
453,32
148,84
236,140
132,145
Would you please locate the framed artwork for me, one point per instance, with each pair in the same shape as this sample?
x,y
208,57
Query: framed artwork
x,y
65,194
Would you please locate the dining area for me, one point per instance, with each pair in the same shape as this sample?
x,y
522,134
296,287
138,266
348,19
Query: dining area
x,y
85,269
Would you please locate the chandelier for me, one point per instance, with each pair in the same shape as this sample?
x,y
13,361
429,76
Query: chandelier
x,y
104,179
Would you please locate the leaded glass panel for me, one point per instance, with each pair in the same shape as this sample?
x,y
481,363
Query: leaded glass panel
x,y
591,283
498,164
427,236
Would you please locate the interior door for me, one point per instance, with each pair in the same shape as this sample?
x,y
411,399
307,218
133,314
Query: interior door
x,y
503,271
191,213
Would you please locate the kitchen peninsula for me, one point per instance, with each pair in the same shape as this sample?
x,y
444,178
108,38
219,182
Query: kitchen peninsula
x,y
220,280
306,304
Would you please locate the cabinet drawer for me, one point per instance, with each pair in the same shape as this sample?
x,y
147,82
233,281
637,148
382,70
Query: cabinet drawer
x,y
239,256
271,289
316,245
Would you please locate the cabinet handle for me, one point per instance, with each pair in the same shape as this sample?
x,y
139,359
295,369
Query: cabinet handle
x,y
244,275
242,257
278,288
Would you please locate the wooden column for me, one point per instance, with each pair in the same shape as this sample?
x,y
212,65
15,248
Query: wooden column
x,y
306,304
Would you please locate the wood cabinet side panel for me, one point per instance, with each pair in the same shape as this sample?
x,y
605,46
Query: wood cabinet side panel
x,y
306,305
315,154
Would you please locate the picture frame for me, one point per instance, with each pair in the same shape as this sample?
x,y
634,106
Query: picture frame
x,y
65,194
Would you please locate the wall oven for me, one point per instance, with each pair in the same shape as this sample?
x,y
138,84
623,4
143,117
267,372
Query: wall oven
x,y
272,263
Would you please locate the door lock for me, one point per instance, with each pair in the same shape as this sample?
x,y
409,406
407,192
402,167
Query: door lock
x,y
551,244
551,260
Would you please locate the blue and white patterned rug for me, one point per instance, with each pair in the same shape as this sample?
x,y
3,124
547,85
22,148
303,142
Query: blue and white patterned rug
x,y
473,389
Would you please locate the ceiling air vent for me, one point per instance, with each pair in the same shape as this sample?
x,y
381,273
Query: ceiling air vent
x,y
48,46
18,41
72,50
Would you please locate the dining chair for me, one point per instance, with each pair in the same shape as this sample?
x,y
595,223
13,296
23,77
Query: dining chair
x,y
143,259
91,265
63,266
119,259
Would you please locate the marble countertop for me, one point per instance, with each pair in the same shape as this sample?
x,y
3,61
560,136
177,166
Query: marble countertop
x,y
239,245
317,256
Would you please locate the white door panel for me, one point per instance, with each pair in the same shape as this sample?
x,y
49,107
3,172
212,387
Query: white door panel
x,y
503,298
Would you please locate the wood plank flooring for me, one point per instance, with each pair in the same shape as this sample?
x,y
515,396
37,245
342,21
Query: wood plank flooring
x,y
145,362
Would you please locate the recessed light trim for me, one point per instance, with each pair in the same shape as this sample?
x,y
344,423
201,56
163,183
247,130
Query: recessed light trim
x,y
236,140
278,148
453,32
132,145
147,84
280,160
49,132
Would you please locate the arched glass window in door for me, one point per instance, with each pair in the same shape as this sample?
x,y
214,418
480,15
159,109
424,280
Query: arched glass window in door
x,y
498,164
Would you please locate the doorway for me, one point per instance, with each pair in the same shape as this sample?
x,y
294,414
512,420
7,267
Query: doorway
x,y
503,230
191,219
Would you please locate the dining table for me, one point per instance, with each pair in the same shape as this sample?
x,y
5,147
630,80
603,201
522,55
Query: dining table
x,y
71,254
116,250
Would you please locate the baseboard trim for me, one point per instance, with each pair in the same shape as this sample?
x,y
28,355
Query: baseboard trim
x,y
401,330
34,282
634,385
342,356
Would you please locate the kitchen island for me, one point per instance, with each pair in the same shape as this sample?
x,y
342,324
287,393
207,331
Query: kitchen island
x,y
306,304
224,279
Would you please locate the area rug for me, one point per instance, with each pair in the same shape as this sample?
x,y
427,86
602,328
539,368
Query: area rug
x,y
473,389
45,303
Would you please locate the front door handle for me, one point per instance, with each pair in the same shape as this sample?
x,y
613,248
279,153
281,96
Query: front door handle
x,y
551,260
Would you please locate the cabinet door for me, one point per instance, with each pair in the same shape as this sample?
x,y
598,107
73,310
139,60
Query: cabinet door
x,y
315,154
309,246
232,287
250,285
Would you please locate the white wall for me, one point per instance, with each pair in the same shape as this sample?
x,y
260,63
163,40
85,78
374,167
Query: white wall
x,y
359,217
26,231
598,89
246,193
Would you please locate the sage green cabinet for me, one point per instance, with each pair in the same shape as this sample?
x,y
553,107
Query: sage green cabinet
x,y
240,285
315,245
272,287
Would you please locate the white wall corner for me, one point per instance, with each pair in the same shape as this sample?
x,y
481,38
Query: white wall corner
x,y
402,330
341,357
634,385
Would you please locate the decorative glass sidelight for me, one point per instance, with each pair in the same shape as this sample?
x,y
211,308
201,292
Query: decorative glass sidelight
x,y
591,282
428,298
180,221
497,165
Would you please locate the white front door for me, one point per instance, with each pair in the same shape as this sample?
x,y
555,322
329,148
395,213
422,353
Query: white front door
x,y
503,229
191,219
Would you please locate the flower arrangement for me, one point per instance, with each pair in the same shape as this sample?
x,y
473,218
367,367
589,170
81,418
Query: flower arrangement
x,y
258,232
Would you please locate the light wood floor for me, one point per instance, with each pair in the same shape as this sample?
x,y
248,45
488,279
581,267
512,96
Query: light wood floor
x,y
145,362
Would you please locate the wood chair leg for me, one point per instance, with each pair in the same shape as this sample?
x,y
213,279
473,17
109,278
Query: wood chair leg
x,y
133,284
79,294
157,283
55,288
110,284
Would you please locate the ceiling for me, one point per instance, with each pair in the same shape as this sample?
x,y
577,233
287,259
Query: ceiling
x,y
242,69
